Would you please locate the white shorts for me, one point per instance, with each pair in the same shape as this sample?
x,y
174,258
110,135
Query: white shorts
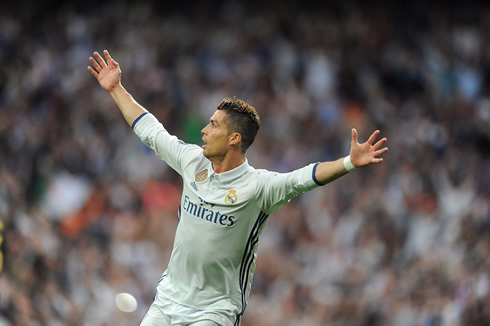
x,y
165,312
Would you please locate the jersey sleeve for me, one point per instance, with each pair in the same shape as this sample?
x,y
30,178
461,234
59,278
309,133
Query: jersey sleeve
x,y
277,189
170,149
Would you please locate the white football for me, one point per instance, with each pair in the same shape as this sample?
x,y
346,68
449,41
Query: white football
x,y
126,302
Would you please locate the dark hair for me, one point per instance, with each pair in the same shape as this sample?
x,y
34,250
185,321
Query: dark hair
x,y
242,118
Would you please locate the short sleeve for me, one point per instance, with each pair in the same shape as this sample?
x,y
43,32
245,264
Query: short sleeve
x,y
176,153
277,189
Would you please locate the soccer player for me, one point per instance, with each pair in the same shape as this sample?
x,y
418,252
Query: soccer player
x,y
224,207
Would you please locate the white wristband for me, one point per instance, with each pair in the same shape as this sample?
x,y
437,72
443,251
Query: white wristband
x,y
348,164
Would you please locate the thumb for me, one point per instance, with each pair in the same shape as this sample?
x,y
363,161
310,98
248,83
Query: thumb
x,y
354,136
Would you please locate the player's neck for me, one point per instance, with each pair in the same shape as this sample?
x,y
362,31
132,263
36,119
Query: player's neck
x,y
229,162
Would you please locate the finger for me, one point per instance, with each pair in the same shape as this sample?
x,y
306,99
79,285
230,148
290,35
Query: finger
x,y
371,139
95,64
380,151
354,136
100,59
110,61
377,160
380,143
93,72
108,57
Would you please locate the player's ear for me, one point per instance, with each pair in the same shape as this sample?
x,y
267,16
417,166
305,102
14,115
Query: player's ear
x,y
235,138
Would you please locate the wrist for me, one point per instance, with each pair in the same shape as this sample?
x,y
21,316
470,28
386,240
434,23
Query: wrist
x,y
348,164
116,88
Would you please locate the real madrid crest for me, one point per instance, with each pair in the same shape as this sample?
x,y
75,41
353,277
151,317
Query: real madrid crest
x,y
231,198
202,176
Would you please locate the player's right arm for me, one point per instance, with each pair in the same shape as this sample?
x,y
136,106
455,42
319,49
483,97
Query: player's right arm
x,y
170,149
108,74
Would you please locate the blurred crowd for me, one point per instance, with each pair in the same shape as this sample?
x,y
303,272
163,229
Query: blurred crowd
x,y
90,212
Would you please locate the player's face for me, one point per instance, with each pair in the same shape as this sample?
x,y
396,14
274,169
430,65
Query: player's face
x,y
215,136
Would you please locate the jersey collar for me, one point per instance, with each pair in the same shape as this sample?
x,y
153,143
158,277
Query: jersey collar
x,y
231,175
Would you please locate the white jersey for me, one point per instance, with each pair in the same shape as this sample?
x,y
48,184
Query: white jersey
x,y
221,217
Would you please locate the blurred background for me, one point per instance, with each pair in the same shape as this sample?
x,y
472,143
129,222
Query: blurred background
x,y
89,211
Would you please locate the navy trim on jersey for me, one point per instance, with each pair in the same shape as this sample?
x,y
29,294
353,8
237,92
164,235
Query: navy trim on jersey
x,y
314,177
161,279
237,321
138,119
248,256
154,297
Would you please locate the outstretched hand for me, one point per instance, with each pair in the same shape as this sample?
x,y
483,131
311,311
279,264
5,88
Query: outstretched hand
x,y
368,152
107,74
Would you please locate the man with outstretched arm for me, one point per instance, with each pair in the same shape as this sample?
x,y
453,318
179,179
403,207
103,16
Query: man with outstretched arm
x,y
224,207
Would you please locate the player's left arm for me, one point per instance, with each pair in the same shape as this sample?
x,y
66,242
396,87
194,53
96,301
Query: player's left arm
x,y
360,155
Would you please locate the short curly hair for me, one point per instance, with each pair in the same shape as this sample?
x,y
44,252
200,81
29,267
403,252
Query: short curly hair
x,y
242,118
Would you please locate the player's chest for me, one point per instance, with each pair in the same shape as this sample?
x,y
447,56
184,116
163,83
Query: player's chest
x,y
209,189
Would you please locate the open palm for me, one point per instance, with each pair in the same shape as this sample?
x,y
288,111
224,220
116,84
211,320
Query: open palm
x,y
368,152
107,74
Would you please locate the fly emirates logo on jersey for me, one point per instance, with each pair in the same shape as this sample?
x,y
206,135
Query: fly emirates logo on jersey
x,y
207,214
